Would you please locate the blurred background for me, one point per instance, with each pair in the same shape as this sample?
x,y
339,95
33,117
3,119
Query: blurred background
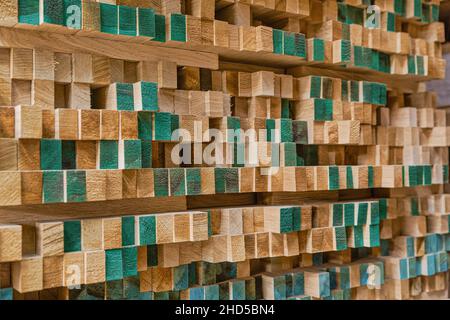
x,y
442,87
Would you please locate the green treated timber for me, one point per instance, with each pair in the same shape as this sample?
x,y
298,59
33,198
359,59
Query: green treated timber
x,y
146,153
370,176
296,218
367,92
344,277
285,109
349,214
317,258
72,236
147,230
385,62
129,261
197,293
209,224
338,214
212,292
109,154
344,90
181,277
323,109
342,12
146,22
161,295
178,27
161,182
358,56
374,213
391,20
237,289
355,15
174,126
278,40
400,7
51,154
192,274
324,284
286,219
145,131
427,175
127,21
160,28
177,182
193,181
113,264
420,65
76,186
341,238
362,213
434,13
109,18
299,45
226,180
162,126
125,96
333,178
318,50
349,177
279,287
53,186
149,96
289,43
358,236
374,59
411,65
53,12
28,11
286,130
233,126
131,289
333,278
270,130
374,236
128,231
290,154
418,8
6,294
354,90
298,283
132,154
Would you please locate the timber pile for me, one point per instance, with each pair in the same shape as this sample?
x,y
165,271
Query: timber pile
x,y
341,197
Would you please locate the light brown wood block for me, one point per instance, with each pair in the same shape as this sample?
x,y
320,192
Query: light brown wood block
x,y
27,274
94,266
50,238
10,243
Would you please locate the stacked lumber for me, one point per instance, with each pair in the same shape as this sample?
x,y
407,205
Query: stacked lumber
x,y
222,150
